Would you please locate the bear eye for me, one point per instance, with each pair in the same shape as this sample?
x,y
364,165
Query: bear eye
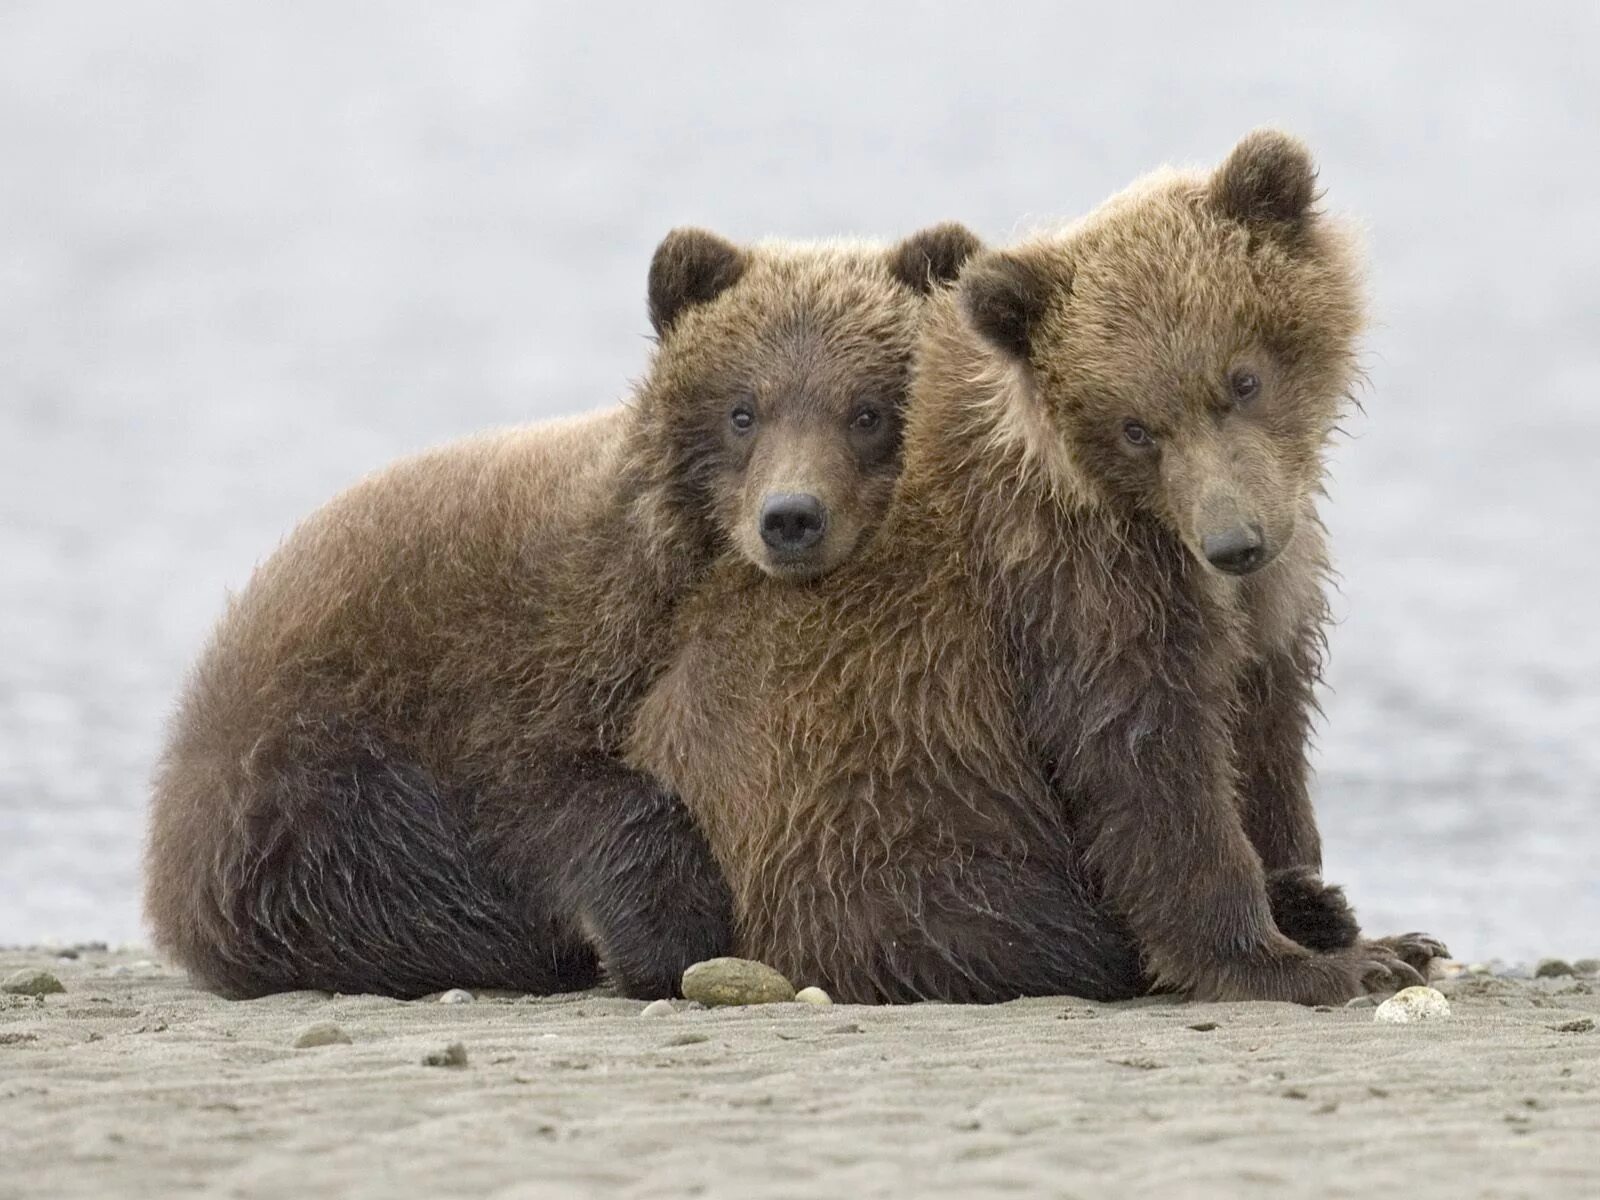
x,y
1245,385
742,418
1137,434
866,420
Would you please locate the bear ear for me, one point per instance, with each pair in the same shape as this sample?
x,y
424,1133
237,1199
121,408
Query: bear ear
x,y
933,256
690,267
1004,297
1269,176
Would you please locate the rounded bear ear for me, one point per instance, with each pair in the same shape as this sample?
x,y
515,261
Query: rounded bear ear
x,y
690,267
933,256
1269,176
1004,297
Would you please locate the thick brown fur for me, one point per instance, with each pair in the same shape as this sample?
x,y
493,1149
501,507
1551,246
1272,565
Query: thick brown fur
x,y
394,768
1032,739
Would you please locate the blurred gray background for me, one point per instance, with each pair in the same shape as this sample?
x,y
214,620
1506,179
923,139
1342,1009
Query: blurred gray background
x,y
249,252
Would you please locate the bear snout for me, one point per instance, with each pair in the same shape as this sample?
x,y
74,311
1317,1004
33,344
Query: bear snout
x,y
793,522
1237,549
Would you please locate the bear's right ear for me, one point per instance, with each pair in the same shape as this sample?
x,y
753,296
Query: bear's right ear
x,y
1267,177
690,267
1004,297
933,256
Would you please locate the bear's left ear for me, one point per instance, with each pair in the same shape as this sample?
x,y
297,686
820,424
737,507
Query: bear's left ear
x,y
690,267
1268,177
933,256
1004,297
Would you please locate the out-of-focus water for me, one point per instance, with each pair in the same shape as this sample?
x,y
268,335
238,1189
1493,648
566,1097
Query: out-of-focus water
x,y
248,253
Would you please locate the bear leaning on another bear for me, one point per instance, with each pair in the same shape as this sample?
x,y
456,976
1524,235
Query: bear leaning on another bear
x,y
393,768
1047,731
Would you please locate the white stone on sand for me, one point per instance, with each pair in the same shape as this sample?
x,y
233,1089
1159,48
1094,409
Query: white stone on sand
x,y
1412,1004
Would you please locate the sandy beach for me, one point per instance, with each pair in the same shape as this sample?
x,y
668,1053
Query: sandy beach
x,y
131,1083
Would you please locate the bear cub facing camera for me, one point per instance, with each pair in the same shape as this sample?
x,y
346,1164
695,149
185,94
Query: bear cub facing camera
x,y
395,768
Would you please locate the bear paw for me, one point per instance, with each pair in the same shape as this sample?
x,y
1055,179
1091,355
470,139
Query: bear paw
x,y
1311,912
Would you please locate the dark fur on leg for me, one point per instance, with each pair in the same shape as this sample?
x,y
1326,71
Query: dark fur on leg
x,y
352,877
1001,930
1271,736
632,870
1313,913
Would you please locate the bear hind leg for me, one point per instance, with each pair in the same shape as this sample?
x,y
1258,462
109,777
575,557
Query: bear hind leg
x,y
628,867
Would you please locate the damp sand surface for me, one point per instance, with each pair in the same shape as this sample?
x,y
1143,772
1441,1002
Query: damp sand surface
x,y
131,1082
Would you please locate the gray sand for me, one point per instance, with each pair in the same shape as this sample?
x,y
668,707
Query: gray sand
x,y
136,1082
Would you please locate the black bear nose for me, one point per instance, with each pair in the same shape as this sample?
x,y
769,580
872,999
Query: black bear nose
x,y
792,521
1237,551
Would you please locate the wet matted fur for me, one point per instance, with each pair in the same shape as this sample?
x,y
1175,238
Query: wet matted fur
x,y
1034,739
393,769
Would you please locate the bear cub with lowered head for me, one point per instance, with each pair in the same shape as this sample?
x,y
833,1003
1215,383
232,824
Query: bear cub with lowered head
x,y
394,769
1054,739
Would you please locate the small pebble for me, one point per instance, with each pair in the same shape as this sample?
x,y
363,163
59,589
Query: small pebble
x,y
1581,1025
1587,966
1412,1004
1362,1002
720,982
31,983
813,995
320,1033
456,996
658,1008
453,1055
1552,968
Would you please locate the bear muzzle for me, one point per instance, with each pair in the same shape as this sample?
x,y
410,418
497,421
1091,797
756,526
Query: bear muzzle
x,y
1236,549
793,523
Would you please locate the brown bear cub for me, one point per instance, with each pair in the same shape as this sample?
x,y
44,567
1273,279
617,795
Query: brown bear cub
x,y
1054,736
394,769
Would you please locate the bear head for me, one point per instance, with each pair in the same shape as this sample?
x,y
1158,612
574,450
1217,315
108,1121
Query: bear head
x,y
776,395
1185,350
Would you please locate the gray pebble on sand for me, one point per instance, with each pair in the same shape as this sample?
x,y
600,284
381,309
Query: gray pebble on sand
x,y
453,1055
456,996
719,982
658,1008
813,995
1552,968
320,1033
27,982
1587,966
